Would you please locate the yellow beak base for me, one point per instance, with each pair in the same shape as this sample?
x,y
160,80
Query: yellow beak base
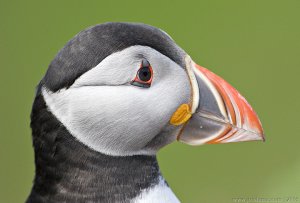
x,y
181,115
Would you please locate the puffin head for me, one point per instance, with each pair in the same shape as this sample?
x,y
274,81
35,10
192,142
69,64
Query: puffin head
x,y
128,89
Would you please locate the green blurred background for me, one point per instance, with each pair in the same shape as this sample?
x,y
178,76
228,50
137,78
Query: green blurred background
x,y
253,44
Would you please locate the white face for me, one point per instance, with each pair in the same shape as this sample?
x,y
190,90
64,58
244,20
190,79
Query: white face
x,y
108,114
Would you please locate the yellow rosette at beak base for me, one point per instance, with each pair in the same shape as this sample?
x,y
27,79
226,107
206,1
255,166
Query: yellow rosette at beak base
x,y
181,115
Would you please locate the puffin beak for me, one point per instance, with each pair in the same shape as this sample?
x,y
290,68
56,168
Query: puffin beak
x,y
218,112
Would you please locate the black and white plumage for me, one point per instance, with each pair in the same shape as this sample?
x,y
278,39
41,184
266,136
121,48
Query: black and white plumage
x,y
96,133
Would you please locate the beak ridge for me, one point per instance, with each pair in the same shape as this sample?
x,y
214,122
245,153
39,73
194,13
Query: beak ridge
x,y
223,114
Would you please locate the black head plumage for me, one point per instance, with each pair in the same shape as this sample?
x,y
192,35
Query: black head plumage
x,y
89,47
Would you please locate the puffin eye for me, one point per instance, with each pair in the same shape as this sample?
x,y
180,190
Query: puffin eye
x,y
144,75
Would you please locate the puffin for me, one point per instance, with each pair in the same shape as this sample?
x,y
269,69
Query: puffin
x,y
112,97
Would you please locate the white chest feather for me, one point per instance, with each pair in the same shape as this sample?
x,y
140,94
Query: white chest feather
x,y
159,193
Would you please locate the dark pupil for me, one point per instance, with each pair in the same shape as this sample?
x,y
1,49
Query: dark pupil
x,y
144,74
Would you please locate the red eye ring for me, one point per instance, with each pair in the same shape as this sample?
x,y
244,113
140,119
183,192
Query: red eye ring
x,y
144,75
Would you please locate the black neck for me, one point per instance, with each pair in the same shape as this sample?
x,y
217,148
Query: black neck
x,y
68,171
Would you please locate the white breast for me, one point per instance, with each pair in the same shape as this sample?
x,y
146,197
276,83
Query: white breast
x,y
160,193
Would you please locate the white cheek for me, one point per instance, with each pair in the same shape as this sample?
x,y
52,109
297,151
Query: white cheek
x,y
120,119
115,120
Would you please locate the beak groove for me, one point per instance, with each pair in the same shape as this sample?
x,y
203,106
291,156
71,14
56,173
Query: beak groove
x,y
222,114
